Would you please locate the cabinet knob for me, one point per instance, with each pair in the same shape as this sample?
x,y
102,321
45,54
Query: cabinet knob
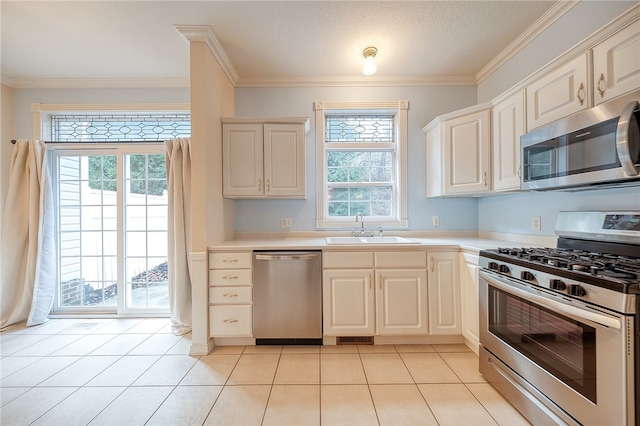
x,y
485,179
268,185
259,184
230,277
230,321
581,94
230,295
601,85
230,260
432,265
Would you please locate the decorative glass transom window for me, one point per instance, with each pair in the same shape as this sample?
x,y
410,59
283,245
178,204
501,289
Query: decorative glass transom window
x,y
363,153
119,127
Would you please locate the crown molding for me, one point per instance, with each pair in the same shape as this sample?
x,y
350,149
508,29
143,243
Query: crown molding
x,y
537,28
205,34
362,81
98,83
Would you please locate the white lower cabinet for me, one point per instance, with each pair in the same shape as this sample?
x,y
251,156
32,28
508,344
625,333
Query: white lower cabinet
x,y
230,294
369,298
469,293
444,293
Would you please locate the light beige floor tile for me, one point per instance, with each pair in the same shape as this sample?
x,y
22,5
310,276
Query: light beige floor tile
x,y
32,404
239,405
499,408
455,405
124,372
85,326
50,327
254,370
182,347
341,369
227,350
81,372
134,406
428,368
465,365
11,364
301,349
211,370
377,349
385,369
401,405
187,405
414,348
169,370
39,371
452,347
80,407
262,349
346,405
149,326
9,394
302,369
118,326
156,344
20,342
339,349
48,346
121,344
86,344
293,405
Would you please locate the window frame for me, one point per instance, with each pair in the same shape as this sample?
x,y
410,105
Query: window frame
x,y
399,109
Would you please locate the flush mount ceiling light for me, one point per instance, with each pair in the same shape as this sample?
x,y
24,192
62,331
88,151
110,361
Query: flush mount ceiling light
x,y
369,65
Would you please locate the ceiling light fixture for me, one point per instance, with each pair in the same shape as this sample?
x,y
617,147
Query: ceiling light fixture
x,y
369,65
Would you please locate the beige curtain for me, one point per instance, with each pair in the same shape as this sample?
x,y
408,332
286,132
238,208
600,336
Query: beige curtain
x,y
28,276
179,185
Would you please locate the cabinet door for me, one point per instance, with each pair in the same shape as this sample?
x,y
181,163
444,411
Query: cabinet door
x,y
616,64
561,92
242,160
401,302
469,298
467,142
434,162
444,294
284,160
348,302
508,126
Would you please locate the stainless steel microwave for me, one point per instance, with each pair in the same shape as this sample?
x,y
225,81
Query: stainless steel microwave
x,y
594,148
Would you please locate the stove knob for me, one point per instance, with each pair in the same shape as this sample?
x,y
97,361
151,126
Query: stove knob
x,y
504,269
493,266
576,290
557,284
526,275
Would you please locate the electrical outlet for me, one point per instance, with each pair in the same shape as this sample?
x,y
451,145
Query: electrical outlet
x,y
435,221
285,222
535,223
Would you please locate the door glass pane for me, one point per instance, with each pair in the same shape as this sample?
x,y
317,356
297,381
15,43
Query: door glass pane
x,y
146,205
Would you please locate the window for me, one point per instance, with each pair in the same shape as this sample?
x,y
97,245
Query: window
x,y
361,152
112,210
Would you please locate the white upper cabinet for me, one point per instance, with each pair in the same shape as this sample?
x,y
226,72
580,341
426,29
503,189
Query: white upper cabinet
x,y
559,93
616,64
264,159
458,153
508,126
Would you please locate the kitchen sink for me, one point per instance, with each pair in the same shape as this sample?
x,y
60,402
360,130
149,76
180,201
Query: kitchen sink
x,y
370,240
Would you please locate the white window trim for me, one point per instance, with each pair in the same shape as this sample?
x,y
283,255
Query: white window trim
x,y
399,108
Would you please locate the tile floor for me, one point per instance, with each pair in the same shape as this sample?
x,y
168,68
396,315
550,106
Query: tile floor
x,y
135,372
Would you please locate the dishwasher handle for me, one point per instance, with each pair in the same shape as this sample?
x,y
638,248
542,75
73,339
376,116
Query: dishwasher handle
x,y
311,256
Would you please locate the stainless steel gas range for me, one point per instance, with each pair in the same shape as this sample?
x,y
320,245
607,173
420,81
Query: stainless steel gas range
x,y
560,327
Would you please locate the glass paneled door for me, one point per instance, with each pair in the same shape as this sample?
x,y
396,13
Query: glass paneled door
x,y
112,230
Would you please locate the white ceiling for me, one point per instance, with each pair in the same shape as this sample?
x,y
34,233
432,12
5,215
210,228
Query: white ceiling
x,y
128,43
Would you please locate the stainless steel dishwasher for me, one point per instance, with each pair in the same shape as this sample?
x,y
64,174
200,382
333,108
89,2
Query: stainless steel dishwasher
x,y
287,297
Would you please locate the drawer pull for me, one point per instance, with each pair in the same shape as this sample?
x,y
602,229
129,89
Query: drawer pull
x,y
230,260
230,295
230,277
230,321
601,85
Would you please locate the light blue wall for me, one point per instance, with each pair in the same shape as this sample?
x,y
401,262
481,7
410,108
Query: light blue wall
x,y
425,103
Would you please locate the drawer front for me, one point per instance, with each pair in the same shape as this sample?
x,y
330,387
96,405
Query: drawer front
x,y
230,277
237,260
347,259
230,320
230,295
401,259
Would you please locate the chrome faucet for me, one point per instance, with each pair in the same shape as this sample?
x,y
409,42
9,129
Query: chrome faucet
x,y
360,218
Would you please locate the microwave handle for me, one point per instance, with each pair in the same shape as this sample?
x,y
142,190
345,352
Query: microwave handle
x,y
623,144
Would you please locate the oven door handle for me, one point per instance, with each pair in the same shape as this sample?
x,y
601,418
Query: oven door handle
x,y
552,304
